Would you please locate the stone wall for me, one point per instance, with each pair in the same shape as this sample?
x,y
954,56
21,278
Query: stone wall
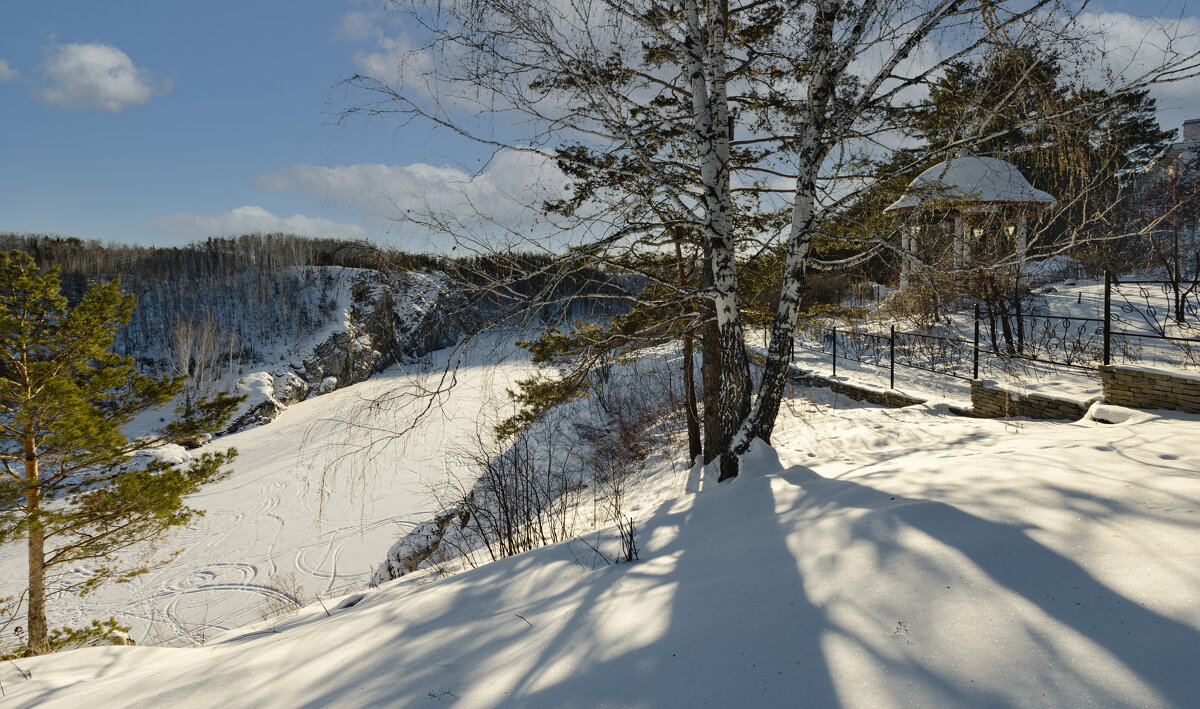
x,y
890,398
1143,388
1136,387
988,400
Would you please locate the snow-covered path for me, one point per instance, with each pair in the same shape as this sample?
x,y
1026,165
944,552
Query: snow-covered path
x,y
309,509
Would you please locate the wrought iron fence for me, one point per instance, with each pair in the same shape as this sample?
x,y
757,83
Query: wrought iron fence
x,y
1152,321
948,356
1143,322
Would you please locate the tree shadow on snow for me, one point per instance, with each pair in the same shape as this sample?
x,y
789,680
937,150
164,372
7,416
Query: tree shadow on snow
x,y
1160,651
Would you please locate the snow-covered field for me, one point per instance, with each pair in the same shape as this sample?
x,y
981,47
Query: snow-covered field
x,y
875,558
308,509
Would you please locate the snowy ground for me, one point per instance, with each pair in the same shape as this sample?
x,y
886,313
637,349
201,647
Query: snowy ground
x,y
877,558
308,510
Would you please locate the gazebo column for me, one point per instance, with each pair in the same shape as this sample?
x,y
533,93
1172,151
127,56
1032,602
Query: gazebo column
x,y
906,245
1022,240
958,242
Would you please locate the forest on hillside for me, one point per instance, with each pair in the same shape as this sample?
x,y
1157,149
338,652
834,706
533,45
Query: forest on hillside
x,y
209,308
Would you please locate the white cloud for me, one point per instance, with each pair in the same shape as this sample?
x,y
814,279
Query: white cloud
x,y
250,220
7,73
359,25
399,62
1129,48
94,76
504,192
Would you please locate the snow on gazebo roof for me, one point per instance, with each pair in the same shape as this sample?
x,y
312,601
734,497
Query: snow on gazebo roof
x,y
972,181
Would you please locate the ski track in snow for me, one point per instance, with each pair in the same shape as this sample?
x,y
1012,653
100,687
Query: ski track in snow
x,y
289,518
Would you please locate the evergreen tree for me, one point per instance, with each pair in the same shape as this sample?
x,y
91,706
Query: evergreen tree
x,y
68,485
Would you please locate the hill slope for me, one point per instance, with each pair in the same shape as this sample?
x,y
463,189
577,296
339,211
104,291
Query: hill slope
x,y
308,508
875,558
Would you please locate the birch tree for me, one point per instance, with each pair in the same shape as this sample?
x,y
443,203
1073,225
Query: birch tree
x,y
751,122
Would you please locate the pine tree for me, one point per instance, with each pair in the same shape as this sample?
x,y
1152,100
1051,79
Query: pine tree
x,y
68,485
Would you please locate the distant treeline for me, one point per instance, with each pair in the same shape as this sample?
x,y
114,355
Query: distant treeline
x,y
260,288
84,261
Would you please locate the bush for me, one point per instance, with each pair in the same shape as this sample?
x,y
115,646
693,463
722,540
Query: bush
x,y
99,633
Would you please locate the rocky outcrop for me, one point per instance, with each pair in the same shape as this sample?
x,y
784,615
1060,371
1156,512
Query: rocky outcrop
x,y
393,318
258,414
290,388
418,546
346,357
390,318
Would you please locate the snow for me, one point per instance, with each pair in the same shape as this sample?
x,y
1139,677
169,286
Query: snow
x,y
307,505
872,558
973,180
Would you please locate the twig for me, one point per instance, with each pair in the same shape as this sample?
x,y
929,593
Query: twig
x,y
249,635
523,618
602,555
25,674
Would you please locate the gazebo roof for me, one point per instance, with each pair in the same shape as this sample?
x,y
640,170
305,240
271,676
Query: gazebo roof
x,y
973,183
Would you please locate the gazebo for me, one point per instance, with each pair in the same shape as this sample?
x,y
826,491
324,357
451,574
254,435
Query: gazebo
x,y
967,193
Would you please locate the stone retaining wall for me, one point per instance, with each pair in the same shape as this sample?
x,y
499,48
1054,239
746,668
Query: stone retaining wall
x,y
1143,388
1136,387
988,400
891,399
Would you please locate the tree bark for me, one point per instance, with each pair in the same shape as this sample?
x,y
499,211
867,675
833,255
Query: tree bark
x,y
37,640
1176,277
695,446
760,422
710,368
705,47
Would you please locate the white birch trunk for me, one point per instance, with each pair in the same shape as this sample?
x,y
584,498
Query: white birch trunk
x,y
761,421
706,69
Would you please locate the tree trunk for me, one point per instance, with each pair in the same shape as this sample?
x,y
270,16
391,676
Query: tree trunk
x,y
1005,320
1176,277
1020,317
37,642
779,351
704,45
734,389
695,446
710,372
760,422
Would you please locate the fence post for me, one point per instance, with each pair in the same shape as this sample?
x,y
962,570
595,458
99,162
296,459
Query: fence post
x,y
892,357
834,331
1107,315
975,355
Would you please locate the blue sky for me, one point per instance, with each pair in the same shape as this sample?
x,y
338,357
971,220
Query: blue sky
x,y
164,122
193,103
